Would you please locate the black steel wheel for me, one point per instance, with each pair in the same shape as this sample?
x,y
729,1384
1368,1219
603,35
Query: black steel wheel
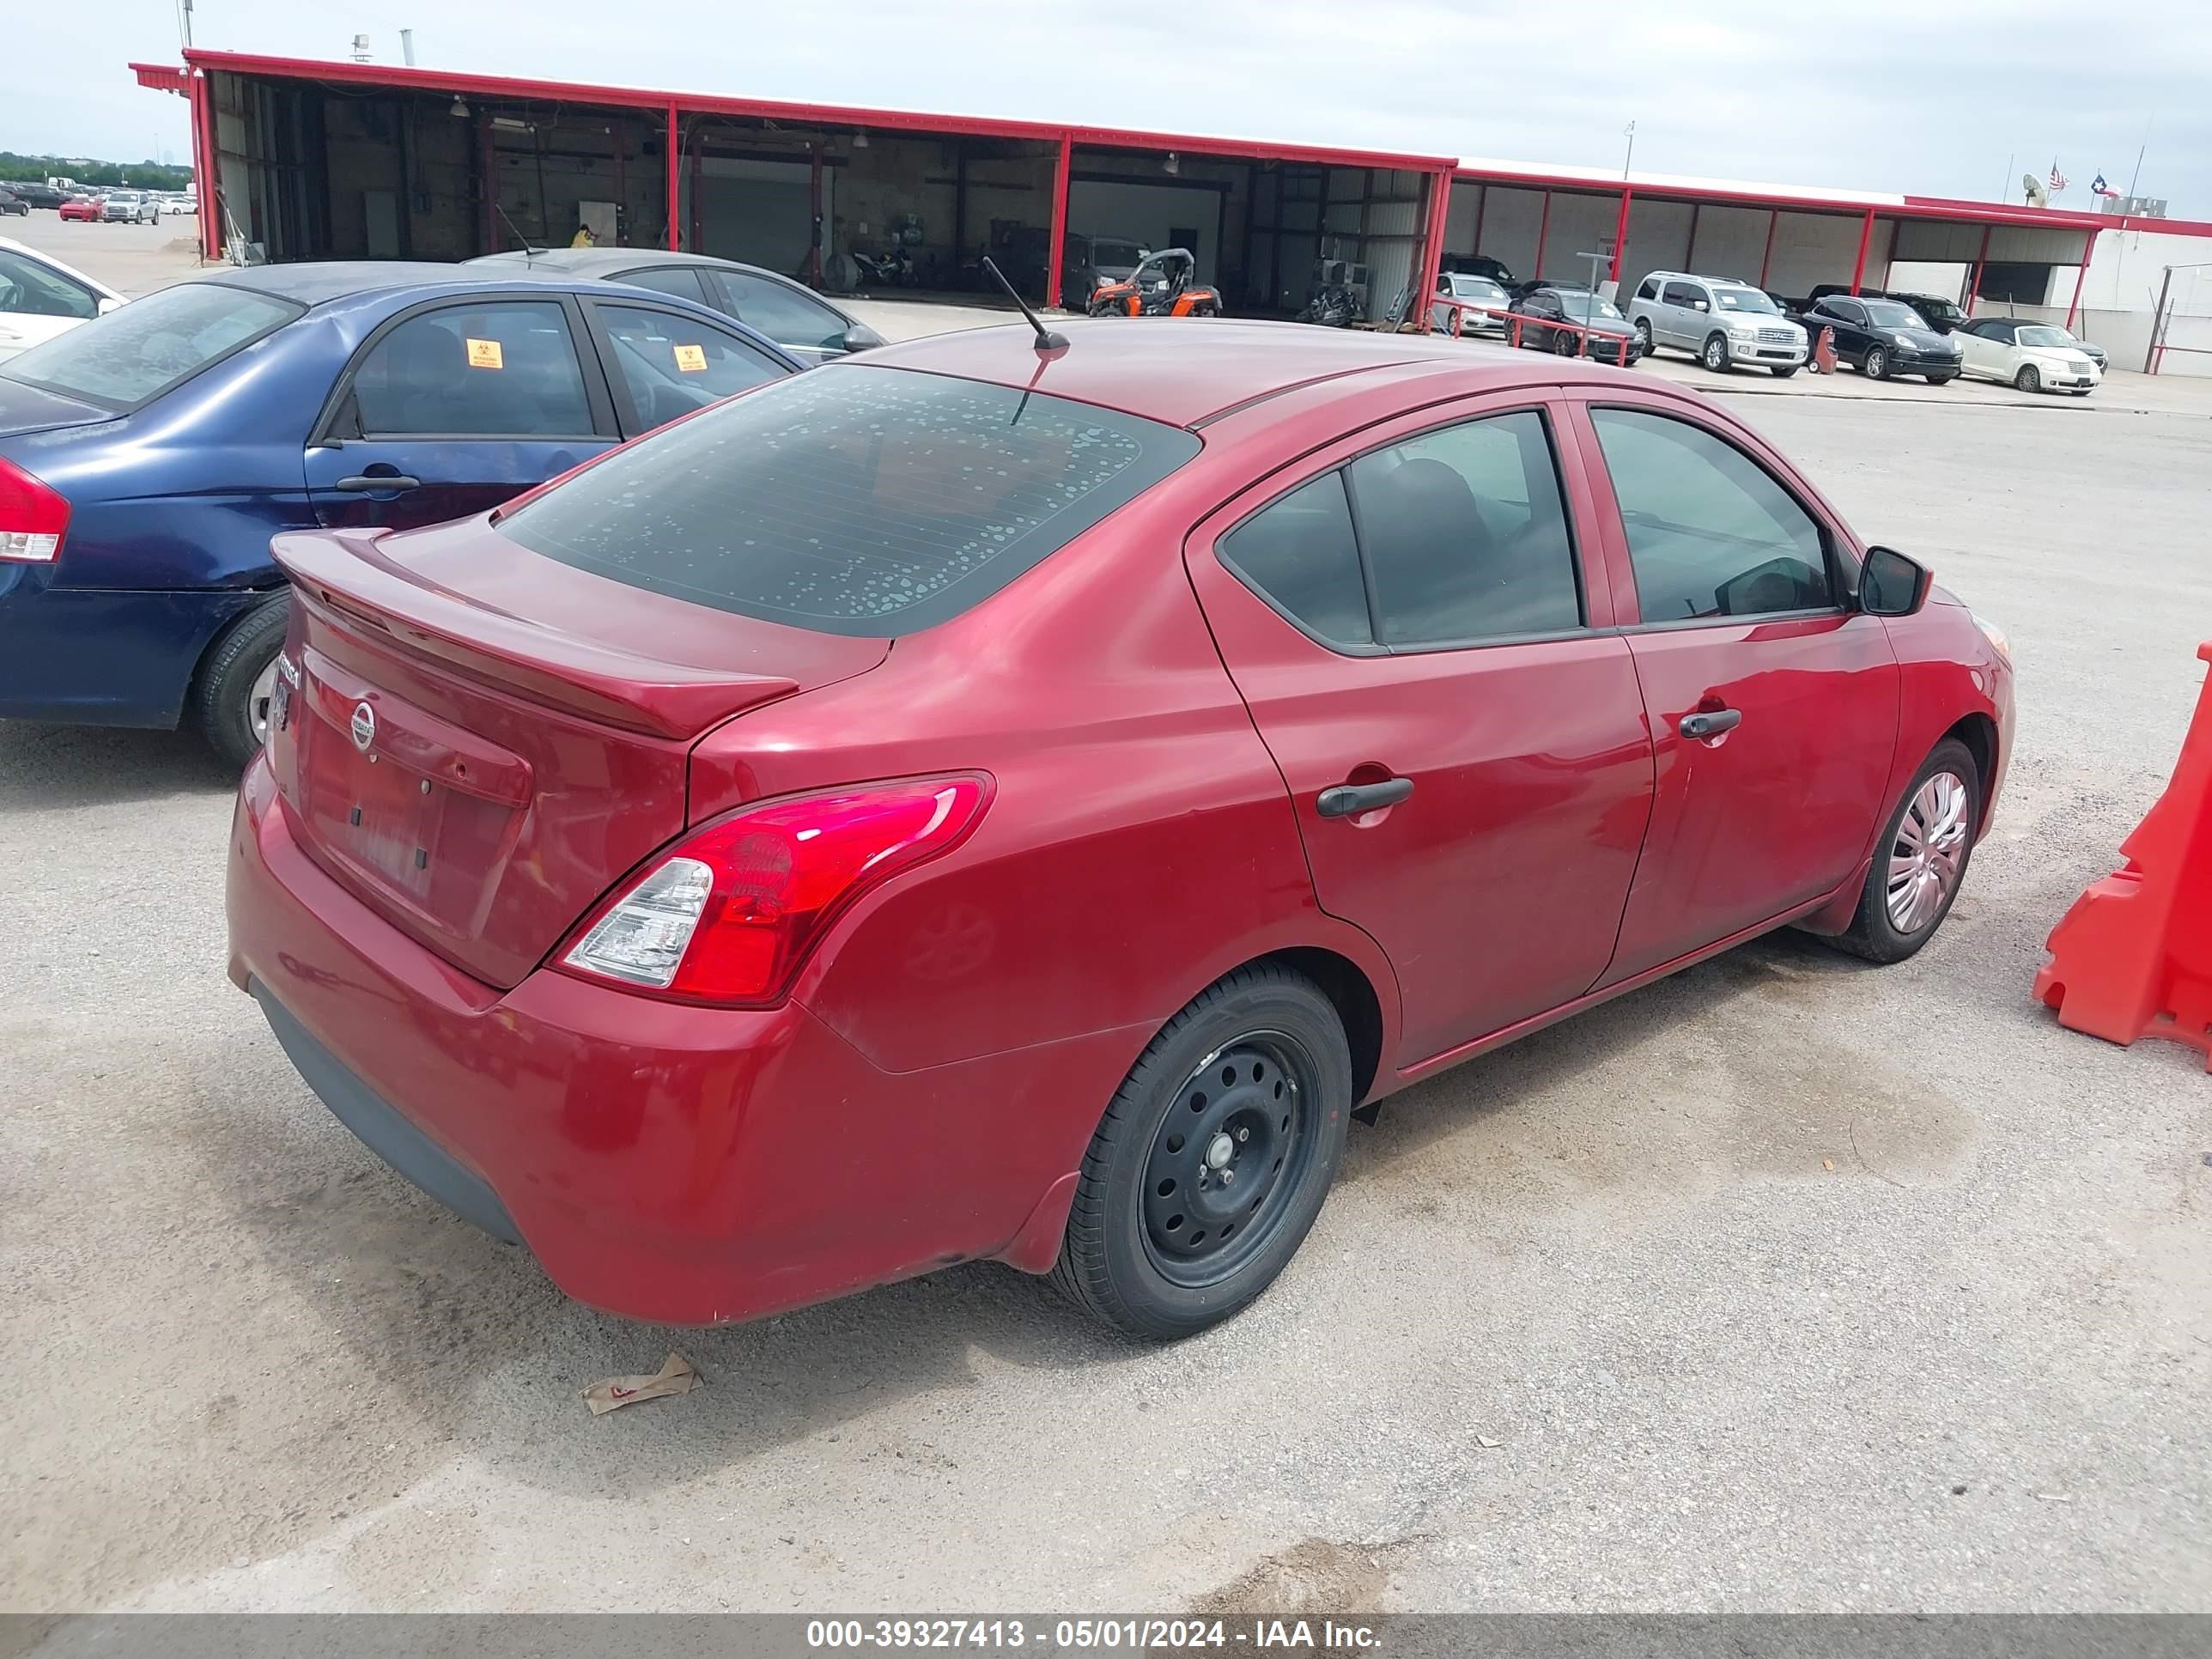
x,y
1213,1158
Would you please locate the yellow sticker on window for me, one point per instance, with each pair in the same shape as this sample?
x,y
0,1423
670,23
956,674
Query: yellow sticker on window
x,y
485,354
692,360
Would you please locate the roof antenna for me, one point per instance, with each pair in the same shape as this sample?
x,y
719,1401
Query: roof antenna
x,y
527,250
1047,340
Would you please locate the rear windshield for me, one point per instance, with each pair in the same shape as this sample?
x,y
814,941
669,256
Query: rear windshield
x,y
138,351
851,500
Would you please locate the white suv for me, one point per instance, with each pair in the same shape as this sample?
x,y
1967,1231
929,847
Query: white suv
x,y
1721,321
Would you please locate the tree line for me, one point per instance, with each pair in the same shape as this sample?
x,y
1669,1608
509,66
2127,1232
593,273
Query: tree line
x,y
135,175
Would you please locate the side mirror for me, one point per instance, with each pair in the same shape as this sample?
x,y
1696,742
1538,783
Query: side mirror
x,y
1892,585
106,305
860,337
1700,305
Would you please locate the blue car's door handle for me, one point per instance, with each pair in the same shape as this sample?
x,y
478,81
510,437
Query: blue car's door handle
x,y
358,484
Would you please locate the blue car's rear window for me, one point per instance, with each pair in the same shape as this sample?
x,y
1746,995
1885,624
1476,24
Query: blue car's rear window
x,y
852,500
132,355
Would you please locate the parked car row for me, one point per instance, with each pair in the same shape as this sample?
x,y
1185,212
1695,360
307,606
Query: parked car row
x,y
1727,323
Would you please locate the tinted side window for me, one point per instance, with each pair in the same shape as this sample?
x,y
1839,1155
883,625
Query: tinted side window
x,y
1465,534
503,369
671,365
681,281
785,317
1299,551
31,289
1681,294
1649,290
1711,533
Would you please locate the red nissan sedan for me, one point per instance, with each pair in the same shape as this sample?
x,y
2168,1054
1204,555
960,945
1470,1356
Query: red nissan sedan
x,y
985,799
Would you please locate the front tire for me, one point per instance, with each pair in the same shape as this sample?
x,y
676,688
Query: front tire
x,y
1920,861
1876,366
1715,356
230,697
1784,371
1644,343
1941,380
1251,1082
2027,380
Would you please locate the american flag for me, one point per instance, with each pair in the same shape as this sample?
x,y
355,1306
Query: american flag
x,y
2057,179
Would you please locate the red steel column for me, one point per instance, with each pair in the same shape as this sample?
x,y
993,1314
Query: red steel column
x,y
1765,259
1056,255
1543,230
1619,236
2081,275
1432,256
203,164
674,180
1866,235
1981,264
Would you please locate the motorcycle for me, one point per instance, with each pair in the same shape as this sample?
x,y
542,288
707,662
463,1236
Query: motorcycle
x,y
891,270
1331,305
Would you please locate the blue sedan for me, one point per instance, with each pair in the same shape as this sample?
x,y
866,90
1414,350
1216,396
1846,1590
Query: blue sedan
x,y
147,458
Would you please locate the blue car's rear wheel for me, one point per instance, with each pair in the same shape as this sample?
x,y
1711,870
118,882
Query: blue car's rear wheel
x,y
230,694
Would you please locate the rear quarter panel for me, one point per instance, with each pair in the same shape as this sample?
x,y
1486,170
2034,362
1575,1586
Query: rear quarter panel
x,y
186,492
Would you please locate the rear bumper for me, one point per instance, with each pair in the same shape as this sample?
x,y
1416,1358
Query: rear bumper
x,y
87,656
687,1165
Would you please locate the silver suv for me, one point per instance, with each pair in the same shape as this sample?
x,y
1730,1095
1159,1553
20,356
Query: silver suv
x,y
1721,321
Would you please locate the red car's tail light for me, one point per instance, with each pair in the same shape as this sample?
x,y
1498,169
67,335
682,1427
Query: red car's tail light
x,y
34,517
727,915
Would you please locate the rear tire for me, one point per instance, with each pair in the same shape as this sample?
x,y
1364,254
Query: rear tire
x,y
1920,860
229,698
1253,1078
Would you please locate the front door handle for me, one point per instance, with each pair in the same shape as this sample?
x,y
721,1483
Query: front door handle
x,y
1349,800
1710,722
358,484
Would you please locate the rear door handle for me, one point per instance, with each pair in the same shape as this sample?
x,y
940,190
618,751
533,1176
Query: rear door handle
x,y
358,484
1349,800
1710,722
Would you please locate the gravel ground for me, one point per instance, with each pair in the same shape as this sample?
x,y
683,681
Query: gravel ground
x,y
1786,1284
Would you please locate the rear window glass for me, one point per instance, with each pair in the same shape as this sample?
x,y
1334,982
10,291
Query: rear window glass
x,y
852,500
138,352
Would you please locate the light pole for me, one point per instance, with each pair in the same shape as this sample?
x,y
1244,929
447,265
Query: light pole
x,y
1631,136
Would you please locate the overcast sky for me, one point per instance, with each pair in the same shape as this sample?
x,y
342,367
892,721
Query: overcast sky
x,y
1877,95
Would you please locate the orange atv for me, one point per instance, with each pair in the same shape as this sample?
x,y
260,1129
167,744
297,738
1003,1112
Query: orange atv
x,y
1161,286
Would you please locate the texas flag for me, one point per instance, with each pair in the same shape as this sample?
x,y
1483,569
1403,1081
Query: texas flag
x,y
2099,187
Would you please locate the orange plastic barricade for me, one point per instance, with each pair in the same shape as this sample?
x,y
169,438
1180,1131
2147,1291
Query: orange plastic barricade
x,y
2133,957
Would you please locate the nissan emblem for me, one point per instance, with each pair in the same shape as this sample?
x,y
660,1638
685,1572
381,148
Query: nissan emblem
x,y
364,726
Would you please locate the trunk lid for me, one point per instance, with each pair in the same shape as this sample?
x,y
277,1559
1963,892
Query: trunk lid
x,y
25,408
482,741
